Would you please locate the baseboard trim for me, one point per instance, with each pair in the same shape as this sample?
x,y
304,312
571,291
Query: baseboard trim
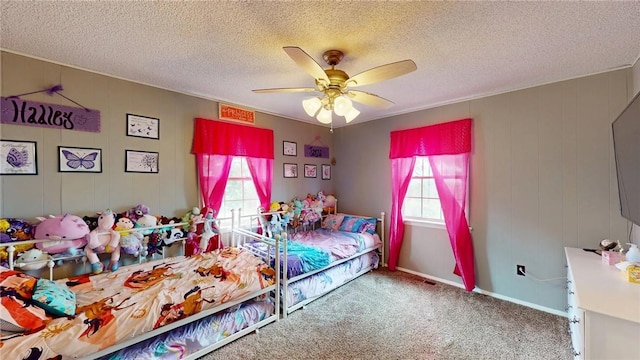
x,y
488,293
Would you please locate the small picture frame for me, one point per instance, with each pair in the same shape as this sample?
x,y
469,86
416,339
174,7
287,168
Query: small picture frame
x,y
141,161
18,157
82,160
289,148
310,171
326,172
143,126
290,170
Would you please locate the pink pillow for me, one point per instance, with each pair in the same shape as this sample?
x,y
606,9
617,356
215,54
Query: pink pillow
x,y
332,221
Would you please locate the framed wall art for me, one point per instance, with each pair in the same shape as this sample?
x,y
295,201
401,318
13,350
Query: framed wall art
x,y
310,171
326,172
290,170
75,159
143,126
18,157
141,161
289,148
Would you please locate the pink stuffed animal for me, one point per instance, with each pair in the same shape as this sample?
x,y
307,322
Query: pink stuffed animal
x,y
103,239
69,230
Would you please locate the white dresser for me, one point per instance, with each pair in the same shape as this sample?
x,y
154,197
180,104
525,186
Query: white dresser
x,y
603,309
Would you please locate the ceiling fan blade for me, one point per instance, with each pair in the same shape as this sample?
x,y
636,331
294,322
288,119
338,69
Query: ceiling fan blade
x,y
383,72
370,99
284,90
306,62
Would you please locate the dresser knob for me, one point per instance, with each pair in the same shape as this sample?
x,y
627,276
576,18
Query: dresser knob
x,y
574,320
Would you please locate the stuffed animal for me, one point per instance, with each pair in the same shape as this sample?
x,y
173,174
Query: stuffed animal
x,y
195,217
11,230
33,259
276,224
123,225
192,217
91,221
146,221
329,204
274,206
170,234
137,212
174,235
103,239
130,241
207,233
264,223
132,244
297,207
69,230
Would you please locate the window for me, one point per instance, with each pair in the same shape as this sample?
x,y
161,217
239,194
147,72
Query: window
x,y
240,191
422,201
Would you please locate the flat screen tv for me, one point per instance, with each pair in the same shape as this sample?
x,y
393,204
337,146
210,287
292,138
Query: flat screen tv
x,y
626,143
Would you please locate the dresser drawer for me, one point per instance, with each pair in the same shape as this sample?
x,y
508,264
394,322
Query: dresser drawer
x,y
576,320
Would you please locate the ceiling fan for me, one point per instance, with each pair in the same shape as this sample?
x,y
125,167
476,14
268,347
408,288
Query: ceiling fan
x,y
335,85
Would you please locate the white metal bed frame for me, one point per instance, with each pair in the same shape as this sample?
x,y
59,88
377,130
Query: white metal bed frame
x,y
285,281
235,237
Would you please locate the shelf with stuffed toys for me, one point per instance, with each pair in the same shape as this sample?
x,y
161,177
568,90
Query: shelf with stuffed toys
x,y
105,240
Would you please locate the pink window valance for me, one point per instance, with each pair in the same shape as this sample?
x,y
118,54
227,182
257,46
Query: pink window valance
x,y
447,146
440,139
222,138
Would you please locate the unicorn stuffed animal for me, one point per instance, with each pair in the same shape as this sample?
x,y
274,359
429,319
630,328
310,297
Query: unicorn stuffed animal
x,y
208,232
103,239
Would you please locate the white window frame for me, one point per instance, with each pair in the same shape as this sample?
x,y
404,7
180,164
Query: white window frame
x,y
424,221
245,177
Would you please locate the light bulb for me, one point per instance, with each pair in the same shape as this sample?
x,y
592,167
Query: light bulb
x,y
311,106
342,105
324,116
352,114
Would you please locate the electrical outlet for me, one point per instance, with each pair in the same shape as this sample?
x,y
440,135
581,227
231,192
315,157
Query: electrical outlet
x,y
520,270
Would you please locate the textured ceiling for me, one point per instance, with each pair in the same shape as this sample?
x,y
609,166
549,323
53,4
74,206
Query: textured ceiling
x,y
222,50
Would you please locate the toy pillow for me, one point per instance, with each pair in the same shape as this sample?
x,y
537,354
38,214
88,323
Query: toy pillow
x,y
333,221
17,314
370,226
358,224
54,298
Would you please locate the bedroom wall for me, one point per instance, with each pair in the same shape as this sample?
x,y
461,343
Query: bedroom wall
x,y
635,234
636,77
542,178
171,192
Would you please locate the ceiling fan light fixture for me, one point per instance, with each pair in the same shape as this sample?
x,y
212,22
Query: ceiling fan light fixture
x,y
352,114
324,116
311,106
342,105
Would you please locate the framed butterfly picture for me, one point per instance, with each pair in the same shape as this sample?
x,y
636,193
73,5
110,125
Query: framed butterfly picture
x,y
143,126
18,158
76,159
